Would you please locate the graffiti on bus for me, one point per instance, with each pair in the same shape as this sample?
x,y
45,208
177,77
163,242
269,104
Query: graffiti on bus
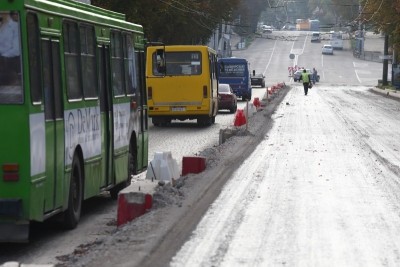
x,y
82,127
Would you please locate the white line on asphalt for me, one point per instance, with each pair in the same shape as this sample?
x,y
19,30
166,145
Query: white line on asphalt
x,y
304,45
269,61
358,78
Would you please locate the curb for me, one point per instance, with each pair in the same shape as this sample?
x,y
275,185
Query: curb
x,y
385,92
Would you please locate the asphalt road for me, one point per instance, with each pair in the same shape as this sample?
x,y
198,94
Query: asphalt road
x,y
341,127
322,189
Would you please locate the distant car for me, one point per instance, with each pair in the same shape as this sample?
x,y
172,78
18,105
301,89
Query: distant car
x,y
327,49
315,37
258,79
226,98
267,29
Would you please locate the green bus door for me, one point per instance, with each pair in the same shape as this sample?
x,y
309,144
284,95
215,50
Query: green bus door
x,y
106,113
54,123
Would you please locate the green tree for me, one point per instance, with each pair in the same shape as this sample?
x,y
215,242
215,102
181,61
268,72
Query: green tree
x,y
174,21
383,16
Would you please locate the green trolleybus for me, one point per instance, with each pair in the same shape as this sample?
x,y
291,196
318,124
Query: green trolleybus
x,y
73,112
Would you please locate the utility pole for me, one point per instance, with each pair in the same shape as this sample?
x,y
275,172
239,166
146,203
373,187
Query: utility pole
x,y
385,60
360,35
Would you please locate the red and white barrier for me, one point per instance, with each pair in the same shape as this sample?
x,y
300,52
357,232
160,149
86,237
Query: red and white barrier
x,y
194,164
135,200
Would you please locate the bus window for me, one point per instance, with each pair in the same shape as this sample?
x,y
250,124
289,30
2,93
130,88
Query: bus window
x,y
88,61
183,63
10,59
117,64
34,58
130,65
72,65
158,64
160,61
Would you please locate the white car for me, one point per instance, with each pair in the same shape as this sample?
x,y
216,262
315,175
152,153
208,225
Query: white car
x,y
315,37
267,29
327,49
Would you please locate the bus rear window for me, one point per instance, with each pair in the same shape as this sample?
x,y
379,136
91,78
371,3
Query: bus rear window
x,y
232,70
180,63
10,59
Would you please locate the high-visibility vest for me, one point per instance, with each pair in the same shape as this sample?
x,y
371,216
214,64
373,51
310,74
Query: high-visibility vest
x,y
305,77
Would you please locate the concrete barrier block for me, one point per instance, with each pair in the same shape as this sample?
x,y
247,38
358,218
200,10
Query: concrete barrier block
x,y
225,134
193,164
163,167
135,200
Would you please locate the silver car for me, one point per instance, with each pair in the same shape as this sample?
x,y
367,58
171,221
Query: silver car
x,y
327,49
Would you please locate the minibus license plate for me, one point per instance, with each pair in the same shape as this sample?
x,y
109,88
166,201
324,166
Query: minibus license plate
x,y
178,109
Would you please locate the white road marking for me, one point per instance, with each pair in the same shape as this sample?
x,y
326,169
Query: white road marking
x,y
358,78
269,61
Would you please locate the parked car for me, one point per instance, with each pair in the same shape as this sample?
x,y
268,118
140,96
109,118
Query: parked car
x,y
258,79
327,49
226,98
297,75
267,29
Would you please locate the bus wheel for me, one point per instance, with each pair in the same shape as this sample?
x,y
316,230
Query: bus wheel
x,y
73,213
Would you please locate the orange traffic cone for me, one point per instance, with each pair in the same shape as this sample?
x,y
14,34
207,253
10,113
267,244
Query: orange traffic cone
x,y
240,119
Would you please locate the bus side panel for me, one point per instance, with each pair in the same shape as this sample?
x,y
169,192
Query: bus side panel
x,y
92,178
140,142
213,73
38,165
104,149
83,129
121,115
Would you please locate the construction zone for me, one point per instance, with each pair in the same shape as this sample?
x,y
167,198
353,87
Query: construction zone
x,y
137,199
